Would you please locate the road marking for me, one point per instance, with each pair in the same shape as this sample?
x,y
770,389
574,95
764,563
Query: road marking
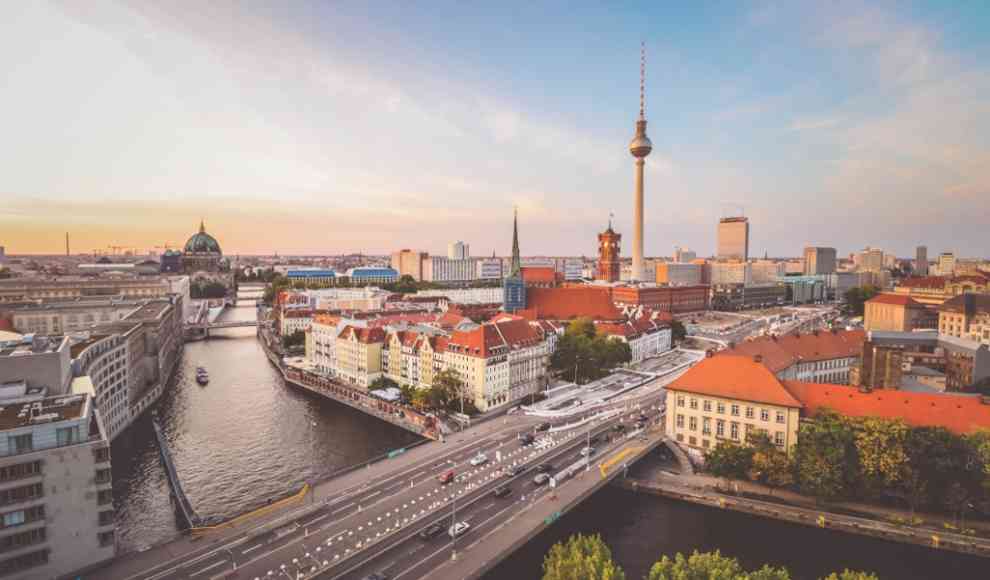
x,y
318,518
340,509
208,568
252,548
373,494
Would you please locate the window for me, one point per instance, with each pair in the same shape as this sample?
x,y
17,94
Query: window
x,y
67,435
19,494
706,443
20,471
694,403
693,423
764,415
721,408
778,438
706,426
707,406
13,518
735,410
104,496
20,443
102,476
106,538
106,517
680,400
734,430
680,437
749,412
23,562
680,421
719,428
692,441
780,417
27,538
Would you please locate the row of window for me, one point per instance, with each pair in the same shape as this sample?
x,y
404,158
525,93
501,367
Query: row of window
x,y
707,443
20,517
734,434
19,540
734,409
22,493
23,562
20,471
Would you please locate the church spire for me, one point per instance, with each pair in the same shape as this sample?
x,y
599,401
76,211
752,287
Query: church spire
x,y
202,226
516,261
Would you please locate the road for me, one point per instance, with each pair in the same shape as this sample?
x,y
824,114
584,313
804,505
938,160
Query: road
x,y
372,526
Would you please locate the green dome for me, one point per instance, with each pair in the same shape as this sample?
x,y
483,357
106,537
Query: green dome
x,y
202,242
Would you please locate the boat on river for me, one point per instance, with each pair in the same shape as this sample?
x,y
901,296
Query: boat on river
x,y
202,377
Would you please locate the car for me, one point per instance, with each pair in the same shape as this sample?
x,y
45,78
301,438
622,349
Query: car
x,y
587,451
643,418
479,459
543,427
544,468
526,439
502,491
431,532
446,477
458,529
512,471
620,428
541,479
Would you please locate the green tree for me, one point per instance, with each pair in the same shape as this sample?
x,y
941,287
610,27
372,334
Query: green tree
x,y
856,298
710,566
883,457
941,461
772,467
825,457
581,558
449,392
294,340
851,575
980,443
583,355
729,460
382,383
581,327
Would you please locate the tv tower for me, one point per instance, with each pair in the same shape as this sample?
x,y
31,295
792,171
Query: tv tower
x,y
639,147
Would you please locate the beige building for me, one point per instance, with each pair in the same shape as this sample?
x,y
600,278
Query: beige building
x,y
818,260
676,274
70,316
966,316
897,313
359,355
733,238
728,398
409,263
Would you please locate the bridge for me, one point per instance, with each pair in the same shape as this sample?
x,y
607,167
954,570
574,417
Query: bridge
x,y
368,519
228,324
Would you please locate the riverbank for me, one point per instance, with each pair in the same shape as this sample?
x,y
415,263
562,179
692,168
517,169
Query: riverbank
x,y
790,507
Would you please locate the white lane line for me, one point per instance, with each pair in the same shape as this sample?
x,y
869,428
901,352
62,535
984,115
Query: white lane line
x,y
373,494
318,518
208,568
251,549
340,509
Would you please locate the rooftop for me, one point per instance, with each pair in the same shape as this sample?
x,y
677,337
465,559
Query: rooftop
x,y
895,300
735,377
567,303
150,310
781,352
47,410
30,345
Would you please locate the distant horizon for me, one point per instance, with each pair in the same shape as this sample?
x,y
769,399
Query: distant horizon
x,y
335,126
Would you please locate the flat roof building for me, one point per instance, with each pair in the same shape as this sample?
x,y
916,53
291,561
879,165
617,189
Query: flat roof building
x,y
733,238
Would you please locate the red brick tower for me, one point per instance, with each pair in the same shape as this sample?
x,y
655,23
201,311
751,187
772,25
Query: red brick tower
x,y
608,255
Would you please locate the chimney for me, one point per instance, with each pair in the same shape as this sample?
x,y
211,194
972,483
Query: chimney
x,y
758,358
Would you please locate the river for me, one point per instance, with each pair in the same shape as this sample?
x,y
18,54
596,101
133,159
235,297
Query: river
x,y
236,442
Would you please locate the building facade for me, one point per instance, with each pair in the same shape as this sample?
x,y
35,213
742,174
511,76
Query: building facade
x,y
609,247
672,299
966,316
458,251
733,238
946,264
409,263
441,269
921,261
371,275
819,261
678,274
897,313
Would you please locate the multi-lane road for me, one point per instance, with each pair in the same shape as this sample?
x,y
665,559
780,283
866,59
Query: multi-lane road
x,y
373,527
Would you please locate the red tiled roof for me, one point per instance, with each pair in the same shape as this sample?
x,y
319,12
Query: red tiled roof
x,y
449,320
782,352
968,303
923,282
567,303
365,335
895,299
735,377
538,274
484,339
957,413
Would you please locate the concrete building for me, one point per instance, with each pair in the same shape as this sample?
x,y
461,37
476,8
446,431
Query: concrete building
x,y
322,347
733,238
728,297
897,313
55,483
669,299
573,269
677,274
966,316
466,295
40,362
963,362
609,248
766,271
66,288
297,320
311,276
946,264
370,275
870,260
726,273
646,338
818,260
489,268
639,147
816,357
921,261
684,255
63,317
934,290
804,289
409,263
458,251
447,270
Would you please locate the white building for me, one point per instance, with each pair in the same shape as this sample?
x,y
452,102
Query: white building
x,y
293,321
458,250
946,264
323,340
573,269
676,274
645,338
727,273
467,295
441,269
489,269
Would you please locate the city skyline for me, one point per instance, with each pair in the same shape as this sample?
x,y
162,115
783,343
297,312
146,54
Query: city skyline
x,y
315,127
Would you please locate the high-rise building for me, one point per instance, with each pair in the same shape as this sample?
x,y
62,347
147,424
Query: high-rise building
x,y
442,269
733,238
409,263
458,250
818,260
684,255
870,260
514,288
946,264
639,147
608,255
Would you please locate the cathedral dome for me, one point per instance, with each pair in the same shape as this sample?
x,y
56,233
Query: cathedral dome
x,y
202,242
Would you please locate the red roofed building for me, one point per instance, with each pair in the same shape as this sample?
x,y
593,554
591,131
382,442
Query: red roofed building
x,y
730,396
540,276
359,354
820,356
570,302
934,290
673,299
644,336
898,313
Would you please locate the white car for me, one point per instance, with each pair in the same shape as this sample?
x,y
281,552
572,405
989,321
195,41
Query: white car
x,y
479,459
587,451
459,529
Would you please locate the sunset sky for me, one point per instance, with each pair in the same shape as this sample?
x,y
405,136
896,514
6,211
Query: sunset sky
x,y
331,127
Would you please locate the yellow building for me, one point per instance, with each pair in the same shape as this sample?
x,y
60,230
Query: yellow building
x,y
966,316
729,397
359,355
897,313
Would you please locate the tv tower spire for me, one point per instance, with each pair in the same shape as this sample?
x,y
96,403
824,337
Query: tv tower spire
x,y
639,147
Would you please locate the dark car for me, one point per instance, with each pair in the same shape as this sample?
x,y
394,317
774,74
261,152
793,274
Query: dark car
x,y
643,418
502,491
620,428
512,471
544,468
526,439
431,532
543,427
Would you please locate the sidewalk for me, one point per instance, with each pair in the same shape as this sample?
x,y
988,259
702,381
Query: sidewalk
x,y
134,563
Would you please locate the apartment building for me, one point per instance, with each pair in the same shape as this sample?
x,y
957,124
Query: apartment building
x,y
966,316
56,318
358,353
646,338
817,357
443,269
898,313
73,287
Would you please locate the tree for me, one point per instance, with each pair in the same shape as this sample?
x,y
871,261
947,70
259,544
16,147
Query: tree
x,y
883,458
856,298
677,330
581,327
382,383
851,575
825,457
729,460
449,392
772,467
294,340
939,461
980,443
581,558
710,566
584,355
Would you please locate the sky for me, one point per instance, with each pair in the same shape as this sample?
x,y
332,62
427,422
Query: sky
x,y
336,127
